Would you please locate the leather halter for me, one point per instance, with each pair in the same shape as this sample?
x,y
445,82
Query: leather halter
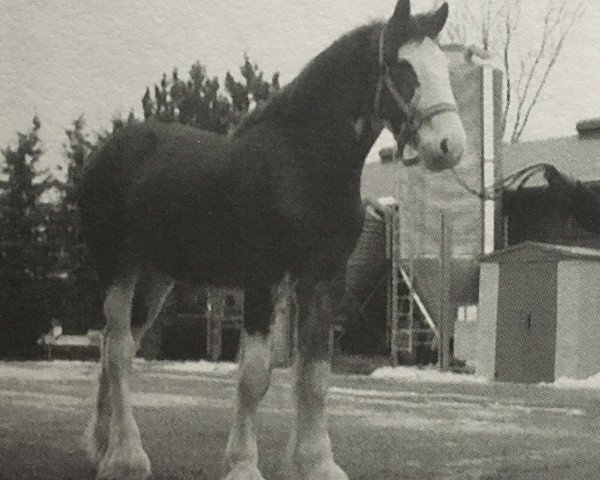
x,y
414,118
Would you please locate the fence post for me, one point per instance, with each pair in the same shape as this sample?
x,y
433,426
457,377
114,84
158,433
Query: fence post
x,y
393,260
447,310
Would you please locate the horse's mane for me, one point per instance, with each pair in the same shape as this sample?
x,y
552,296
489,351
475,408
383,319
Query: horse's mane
x,y
336,67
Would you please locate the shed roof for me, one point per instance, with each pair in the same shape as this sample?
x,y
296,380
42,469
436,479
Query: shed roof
x,y
576,155
541,252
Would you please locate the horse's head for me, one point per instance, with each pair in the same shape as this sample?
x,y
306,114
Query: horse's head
x,y
414,95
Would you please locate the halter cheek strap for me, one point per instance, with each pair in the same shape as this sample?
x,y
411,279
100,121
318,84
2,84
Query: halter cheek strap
x,y
414,118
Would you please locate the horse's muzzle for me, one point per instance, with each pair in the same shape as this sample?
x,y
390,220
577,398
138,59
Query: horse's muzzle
x,y
443,146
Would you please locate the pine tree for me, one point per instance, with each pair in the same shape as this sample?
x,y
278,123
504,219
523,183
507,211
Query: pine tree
x,y
83,289
200,103
22,221
24,256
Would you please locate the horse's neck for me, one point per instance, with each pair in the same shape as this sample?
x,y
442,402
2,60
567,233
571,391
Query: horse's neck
x,y
333,104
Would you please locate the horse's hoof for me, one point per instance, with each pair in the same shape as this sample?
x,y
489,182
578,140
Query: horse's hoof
x,y
124,464
244,472
327,471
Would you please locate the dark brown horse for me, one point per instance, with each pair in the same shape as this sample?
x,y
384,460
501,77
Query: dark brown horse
x,y
281,194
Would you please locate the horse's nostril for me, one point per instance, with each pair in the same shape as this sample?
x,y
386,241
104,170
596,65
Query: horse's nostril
x,y
444,146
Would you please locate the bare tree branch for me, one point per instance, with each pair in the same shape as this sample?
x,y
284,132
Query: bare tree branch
x,y
497,28
537,59
511,21
507,79
552,61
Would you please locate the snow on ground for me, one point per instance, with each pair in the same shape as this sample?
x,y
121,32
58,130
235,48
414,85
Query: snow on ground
x,y
62,370
430,374
201,366
47,371
65,370
592,382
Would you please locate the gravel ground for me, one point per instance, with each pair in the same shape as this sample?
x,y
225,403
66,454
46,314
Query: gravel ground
x,y
382,429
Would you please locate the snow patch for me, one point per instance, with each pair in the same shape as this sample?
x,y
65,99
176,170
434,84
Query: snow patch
x,y
423,423
161,400
592,382
201,366
53,371
42,401
425,374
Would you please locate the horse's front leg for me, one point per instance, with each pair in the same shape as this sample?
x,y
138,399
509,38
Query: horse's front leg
x,y
309,452
255,376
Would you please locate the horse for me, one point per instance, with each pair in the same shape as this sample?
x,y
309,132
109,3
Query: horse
x,y
280,195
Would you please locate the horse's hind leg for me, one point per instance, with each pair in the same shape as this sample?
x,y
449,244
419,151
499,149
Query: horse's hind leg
x,y
150,294
309,452
255,376
113,436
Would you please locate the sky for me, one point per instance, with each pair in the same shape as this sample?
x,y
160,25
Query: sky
x,y
60,58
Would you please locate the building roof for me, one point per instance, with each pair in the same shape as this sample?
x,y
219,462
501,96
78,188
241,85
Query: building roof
x,y
578,156
536,251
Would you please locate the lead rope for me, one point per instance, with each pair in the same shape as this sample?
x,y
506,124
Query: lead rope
x,y
521,177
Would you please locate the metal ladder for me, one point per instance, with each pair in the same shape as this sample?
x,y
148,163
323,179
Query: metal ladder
x,y
403,333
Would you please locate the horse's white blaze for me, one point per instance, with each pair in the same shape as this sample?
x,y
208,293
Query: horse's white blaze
x,y
255,376
431,67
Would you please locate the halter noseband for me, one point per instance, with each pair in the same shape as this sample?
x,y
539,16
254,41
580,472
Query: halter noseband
x,y
414,119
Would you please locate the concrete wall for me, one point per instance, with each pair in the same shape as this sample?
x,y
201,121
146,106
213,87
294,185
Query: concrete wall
x,y
486,326
578,323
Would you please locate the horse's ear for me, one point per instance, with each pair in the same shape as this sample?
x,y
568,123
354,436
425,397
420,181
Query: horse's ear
x,y
431,25
397,29
401,17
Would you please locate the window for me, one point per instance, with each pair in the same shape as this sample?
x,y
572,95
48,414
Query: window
x,y
467,313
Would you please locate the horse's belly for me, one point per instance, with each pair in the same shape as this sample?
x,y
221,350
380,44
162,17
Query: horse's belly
x,y
196,252
211,247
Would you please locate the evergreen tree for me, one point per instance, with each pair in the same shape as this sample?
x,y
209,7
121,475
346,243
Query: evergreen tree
x,y
24,256
84,308
200,103
22,222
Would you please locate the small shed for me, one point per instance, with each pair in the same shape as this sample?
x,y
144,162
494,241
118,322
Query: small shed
x,y
539,316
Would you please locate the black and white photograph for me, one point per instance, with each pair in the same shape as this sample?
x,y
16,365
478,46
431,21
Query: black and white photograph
x,y
311,240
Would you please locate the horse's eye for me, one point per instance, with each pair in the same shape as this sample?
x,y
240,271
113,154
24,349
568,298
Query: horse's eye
x,y
404,64
405,71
